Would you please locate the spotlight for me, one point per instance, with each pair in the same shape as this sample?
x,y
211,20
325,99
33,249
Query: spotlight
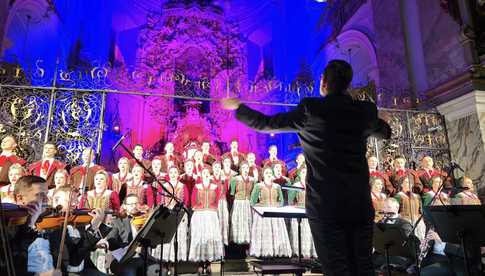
x,y
116,128
271,134
320,1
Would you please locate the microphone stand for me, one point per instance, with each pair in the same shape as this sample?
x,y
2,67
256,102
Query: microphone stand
x,y
440,188
413,231
179,203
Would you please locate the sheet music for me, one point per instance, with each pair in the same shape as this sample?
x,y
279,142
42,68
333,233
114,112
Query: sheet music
x,y
292,188
119,253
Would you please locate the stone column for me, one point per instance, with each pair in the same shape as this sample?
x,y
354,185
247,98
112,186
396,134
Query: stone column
x,y
465,123
468,33
413,46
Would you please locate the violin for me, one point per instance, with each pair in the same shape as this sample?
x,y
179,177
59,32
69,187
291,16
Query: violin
x,y
139,219
14,214
77,217
52,218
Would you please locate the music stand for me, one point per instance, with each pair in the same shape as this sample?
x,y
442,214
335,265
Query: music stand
x,y
159,228
460,224
284,212
391,239
165,193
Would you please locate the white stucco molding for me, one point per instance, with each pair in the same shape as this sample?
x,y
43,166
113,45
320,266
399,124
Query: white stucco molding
x,y
470,103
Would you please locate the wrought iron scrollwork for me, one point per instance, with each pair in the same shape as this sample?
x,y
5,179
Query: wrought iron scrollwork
x,y
23,113
75,122
33,105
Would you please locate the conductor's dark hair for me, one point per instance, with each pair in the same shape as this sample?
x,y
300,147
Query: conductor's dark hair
x,y
338,75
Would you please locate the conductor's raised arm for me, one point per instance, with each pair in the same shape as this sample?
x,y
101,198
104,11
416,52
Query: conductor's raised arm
x,y
379,128
291,121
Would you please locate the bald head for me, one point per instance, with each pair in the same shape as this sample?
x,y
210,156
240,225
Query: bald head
x,y
391,205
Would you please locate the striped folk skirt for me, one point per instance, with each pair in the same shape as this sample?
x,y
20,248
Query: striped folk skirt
x,y
269,238
205,236
307,245
223,215
169,248
241,219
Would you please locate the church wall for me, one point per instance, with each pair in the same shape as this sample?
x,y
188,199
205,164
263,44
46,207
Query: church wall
x,y
443,53
390,47
3,20
467,146
465,122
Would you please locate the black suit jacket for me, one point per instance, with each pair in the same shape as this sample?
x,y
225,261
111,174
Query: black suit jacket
x,y
75,251
403,225
405,228
121,234
333,132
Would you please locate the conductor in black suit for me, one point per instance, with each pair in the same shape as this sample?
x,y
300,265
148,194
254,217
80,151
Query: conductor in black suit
x,y
333,131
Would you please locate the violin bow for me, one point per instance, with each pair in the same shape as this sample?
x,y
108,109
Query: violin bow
x,y
68,211
64,229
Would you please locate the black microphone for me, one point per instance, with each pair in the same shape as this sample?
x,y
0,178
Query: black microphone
x,y
455,165
413,165
121,140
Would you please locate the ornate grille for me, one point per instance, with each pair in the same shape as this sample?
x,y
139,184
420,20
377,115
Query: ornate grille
x,y
66,109
69,110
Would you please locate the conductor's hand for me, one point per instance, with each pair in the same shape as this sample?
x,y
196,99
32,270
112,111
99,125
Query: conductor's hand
x,y
230,103
384,115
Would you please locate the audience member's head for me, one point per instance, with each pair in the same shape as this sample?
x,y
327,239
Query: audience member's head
x,y
30,189
391,205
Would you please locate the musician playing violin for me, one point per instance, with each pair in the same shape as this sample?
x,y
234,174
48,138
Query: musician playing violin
x,y
30,251
80,239
124,230
392,217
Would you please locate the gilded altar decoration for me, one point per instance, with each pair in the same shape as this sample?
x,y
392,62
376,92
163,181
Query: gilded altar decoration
x,y
415,134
